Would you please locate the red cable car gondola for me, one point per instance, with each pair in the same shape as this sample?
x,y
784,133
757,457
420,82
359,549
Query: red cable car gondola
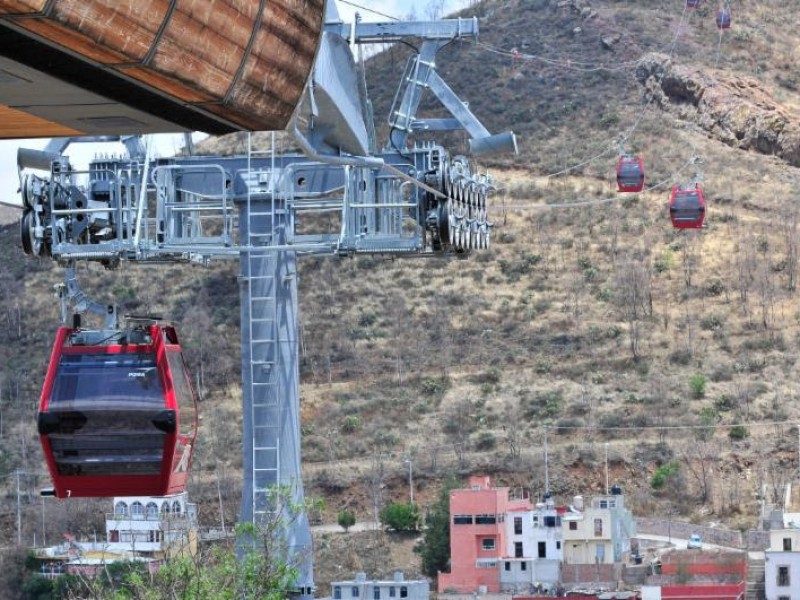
x,y
692,3
687,208
630,173
118,414
724,18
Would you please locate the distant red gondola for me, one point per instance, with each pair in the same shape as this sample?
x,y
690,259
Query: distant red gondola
x,y
692,3
724,18
630,173
117,415
687,208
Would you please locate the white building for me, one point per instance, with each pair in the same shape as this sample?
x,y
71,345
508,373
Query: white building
x,y
395,589
153,526
533,550
145,528
782,565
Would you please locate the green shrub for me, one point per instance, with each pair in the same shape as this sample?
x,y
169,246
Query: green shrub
x,y
346,519
400,516
663,474
697,383
738,432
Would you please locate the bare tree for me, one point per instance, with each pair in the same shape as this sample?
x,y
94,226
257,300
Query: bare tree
x,y
632,295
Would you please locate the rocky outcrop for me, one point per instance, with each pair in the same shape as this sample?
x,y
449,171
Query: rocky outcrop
x,y
732,109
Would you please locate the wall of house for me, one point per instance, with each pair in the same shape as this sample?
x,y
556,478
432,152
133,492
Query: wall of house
x,y
777,537
575,575
773,562
714,591
513,578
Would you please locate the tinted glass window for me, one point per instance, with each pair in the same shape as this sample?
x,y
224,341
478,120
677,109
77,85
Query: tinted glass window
x,y
183,393
107,442
102,381
687,201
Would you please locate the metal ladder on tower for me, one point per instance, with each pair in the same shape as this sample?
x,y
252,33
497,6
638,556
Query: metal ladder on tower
x,y
265,416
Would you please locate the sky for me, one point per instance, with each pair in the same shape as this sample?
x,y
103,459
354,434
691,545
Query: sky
x,y
167,145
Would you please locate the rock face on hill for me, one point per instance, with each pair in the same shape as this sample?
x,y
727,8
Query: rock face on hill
x,y
732,109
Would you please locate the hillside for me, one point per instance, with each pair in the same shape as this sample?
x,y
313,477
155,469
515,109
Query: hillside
x,y
598,326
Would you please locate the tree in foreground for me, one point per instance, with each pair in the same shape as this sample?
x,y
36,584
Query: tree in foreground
x,y
435,546
259,566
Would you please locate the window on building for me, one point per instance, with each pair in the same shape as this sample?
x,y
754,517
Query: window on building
x,y
523,566
113,535
518,550
403,591
787,544
176,507
337,592
573,526
485,519
137,509
151,510
120,509
783,576
508,566
488,543
154,536
598,527
558,545
784,598
354,591
462,520
391,592
542,549
550,521
376,593
612,504
517,525
603,503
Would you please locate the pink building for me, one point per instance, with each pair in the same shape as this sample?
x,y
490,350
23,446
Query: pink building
x,y
478,535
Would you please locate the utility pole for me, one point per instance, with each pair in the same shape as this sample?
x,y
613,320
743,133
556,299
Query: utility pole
x,y
19,514
546,465
606,468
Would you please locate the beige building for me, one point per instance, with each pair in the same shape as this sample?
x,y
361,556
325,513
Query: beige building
x,y
601,533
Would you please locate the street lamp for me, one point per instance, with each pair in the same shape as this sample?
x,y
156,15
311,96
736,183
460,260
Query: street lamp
x,y
409,462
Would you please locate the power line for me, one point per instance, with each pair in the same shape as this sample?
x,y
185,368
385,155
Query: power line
x,y
660,427
371,10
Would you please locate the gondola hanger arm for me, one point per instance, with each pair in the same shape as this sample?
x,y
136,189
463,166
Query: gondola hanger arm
x,y
70,293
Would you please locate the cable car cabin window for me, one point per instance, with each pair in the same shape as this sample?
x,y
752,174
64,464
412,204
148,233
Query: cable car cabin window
x,y
104,406
187,421
120,381
630,174
183,394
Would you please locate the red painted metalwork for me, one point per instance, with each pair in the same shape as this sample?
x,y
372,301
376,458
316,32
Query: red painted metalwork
x,y
687,207
118,418
630,173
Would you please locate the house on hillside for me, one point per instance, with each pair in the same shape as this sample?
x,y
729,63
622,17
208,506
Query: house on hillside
x,y
602,533
501,542
146,528
782,565
398,588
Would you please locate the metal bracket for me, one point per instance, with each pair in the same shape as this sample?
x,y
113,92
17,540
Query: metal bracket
x,y
69,292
